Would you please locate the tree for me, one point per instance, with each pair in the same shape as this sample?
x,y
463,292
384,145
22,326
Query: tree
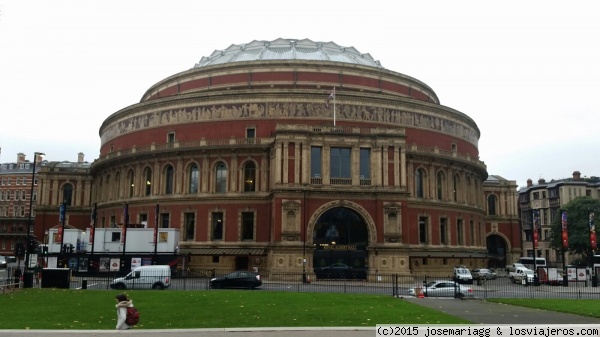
x,y
578,227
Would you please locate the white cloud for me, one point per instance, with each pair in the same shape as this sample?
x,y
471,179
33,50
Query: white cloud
x,y
525,73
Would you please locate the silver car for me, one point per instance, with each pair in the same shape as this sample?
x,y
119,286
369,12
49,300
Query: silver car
x,y
484,273
443,289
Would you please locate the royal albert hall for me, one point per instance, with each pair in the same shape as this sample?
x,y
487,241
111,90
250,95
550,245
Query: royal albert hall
x,y
297,156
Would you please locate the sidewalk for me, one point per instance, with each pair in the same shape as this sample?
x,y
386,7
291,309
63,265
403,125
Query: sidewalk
x,y
483,312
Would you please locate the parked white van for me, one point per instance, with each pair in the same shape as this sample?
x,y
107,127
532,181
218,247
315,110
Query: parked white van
x,y
462,275
145,277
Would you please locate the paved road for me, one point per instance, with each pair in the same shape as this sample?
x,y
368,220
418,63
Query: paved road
x,y
479,311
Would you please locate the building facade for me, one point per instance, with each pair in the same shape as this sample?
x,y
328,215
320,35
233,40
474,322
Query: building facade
x,y
263,164
546,199
503,234
15,199
294,156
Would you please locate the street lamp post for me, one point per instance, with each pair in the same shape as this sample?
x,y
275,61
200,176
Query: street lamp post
x,y
304,279
28,275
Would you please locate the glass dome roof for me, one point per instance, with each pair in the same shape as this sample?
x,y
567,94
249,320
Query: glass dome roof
x,y
288,49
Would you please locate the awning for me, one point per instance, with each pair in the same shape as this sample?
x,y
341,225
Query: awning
x,y
223,251
447,254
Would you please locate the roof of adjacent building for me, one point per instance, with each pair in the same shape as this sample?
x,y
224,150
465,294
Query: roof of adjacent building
x,y
288,49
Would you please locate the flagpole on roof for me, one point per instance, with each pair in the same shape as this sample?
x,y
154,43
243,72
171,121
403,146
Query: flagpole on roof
x,y
333,106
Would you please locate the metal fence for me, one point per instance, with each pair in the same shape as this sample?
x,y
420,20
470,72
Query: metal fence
x,y
383,284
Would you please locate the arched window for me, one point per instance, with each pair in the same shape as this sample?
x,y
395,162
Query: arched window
x,y
99,190
491,204
148,180
68,194
440,185
455,184
469,191
419,183
108,194
194,176
221,178
249,177
131,182
169,179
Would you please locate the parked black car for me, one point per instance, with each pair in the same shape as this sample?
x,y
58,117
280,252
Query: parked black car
x,y
238,279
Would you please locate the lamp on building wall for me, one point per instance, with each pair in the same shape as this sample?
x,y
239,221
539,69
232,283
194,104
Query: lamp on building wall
x,y
28,275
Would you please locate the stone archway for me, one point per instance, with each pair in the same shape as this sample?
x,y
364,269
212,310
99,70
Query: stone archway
x,y
372,231
339,236
498,248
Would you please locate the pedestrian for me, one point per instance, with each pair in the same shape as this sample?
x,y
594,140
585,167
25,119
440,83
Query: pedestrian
x,y
123,302
17,275
38,273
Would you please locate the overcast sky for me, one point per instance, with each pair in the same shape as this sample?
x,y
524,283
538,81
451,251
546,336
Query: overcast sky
x,y
527,72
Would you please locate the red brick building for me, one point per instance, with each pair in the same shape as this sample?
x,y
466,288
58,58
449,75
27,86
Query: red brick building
x,y
261,164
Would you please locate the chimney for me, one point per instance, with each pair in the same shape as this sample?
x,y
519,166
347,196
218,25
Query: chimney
x,y
576,175
541,181
80,156
529,183
20,157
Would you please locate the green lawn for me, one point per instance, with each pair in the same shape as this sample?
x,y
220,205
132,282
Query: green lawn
x,y
94,309
578,307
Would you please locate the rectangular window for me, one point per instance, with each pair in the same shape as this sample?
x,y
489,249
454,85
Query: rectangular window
x,y
315,162
365,164
444,231
422,229
143,219
163,236
459,231
250,135
113,221
164,220
339,162
189,220
115,237
171,137
247,226
217,226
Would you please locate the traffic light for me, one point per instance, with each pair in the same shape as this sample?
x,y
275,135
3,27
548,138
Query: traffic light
x,y
32,245
19,249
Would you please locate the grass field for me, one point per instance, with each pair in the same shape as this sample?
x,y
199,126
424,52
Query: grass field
x,y
90,309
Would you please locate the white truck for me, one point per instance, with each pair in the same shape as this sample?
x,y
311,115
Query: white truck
x,y
513,267
145,277
521,275
550,276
